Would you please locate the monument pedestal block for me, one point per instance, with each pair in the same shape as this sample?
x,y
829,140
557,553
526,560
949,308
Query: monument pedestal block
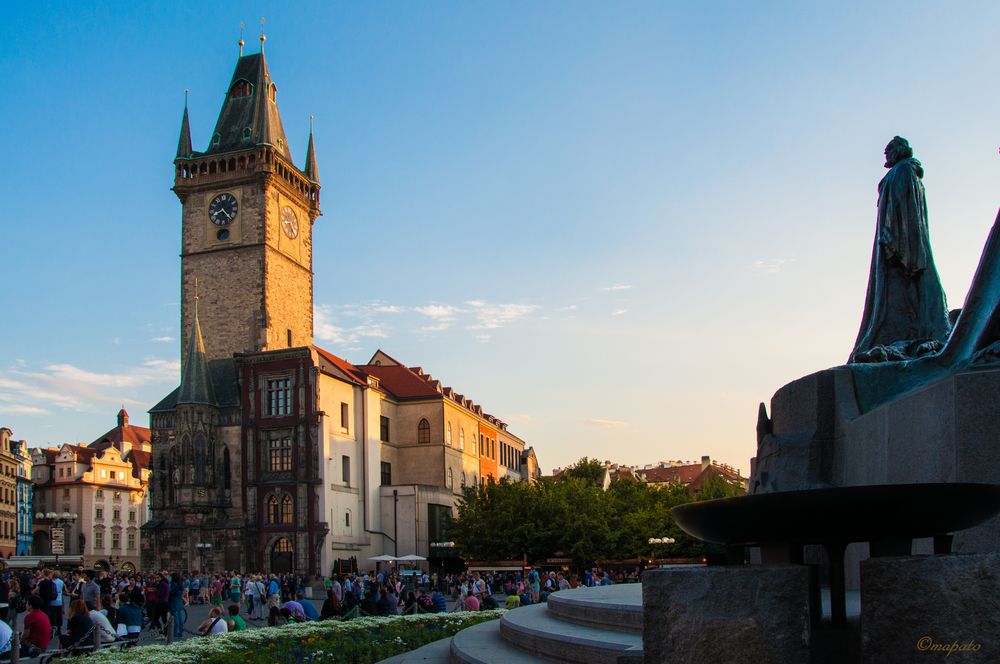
x,y
921,607
720,614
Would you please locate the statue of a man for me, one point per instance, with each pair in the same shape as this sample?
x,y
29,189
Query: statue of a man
x,y
905,310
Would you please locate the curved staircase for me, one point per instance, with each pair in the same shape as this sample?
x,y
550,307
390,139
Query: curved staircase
x,y
600,625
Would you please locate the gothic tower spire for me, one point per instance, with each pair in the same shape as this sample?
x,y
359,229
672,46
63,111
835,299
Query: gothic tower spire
x,y
196,381
184,142
311,170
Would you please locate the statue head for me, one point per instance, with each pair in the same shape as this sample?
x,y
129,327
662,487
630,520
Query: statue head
x,y
897,150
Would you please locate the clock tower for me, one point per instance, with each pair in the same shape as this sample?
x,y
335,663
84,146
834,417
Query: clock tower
x,y
246,224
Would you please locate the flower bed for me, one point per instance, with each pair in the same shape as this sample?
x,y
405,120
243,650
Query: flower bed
x,y
359,641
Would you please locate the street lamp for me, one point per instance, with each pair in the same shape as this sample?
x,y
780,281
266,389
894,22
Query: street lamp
x,y
202,547
59,522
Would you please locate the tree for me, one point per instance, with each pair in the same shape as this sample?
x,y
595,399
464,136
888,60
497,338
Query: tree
x,y
589,470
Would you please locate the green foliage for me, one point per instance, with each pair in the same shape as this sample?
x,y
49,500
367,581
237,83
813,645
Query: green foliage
x,y
719,486
574,517
360,641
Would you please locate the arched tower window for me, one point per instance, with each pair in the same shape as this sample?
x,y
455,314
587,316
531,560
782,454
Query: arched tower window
x,y
451,478
273,93
241,88
461,440
226,481
273,510
286,509
447,435
424,431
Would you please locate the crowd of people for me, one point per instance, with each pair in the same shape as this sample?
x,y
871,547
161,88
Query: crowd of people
x,y
120,606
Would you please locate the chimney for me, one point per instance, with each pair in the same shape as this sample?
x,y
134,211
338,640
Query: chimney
x,y
706,462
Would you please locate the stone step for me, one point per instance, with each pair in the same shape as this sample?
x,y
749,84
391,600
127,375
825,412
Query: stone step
x,y
534,630
610,607
482,644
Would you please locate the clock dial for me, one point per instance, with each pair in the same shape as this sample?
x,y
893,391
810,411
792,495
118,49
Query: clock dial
x,y
222,210
289,222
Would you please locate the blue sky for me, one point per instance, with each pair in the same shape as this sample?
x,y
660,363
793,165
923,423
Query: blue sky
x,y
619,226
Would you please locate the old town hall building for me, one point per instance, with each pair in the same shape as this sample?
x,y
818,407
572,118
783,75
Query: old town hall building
x,y
274,454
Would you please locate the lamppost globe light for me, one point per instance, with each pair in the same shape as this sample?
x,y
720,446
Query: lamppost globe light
x,y
50,515
40,515
67,516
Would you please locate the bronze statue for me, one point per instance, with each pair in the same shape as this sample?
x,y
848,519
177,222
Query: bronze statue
x,y
906,314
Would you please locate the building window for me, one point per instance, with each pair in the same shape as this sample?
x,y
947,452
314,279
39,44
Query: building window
x,y
273,510
104,473
386,473
98,539
131,541
451,478
383,422
280,454
286,509
463,479
116,541
424,431
447,435
461,438
279,396
347,519
345,469
344,417
99,514
131,516
116,515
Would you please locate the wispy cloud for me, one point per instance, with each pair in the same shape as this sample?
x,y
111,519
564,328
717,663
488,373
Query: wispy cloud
x,y
769,266
350,324
619,312
162,340
609,424
64,386
616,287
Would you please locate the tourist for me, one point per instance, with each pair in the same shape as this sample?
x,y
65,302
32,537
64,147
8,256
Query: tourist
x,y
535,584
79,626
176,600
440,602
471,603
6,634
130,615
109,610
37,629
296,610
56,605
308,608
235,622
47,593
214,623
331,606
102,624
90,592
274,592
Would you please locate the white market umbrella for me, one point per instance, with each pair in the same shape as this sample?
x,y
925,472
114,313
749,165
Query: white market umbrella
x,y
384,558
412,557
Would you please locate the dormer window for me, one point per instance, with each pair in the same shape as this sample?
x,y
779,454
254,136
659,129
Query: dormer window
x,y
215,140
241,88
272,93
246,132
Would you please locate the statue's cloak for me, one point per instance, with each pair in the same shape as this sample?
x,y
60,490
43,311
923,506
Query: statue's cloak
x,y
905,304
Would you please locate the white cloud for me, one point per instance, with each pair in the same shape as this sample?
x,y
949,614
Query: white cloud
x,y
769,266
616,287
492,316
69,387
482,338
619,312
327,330
164,340
610,424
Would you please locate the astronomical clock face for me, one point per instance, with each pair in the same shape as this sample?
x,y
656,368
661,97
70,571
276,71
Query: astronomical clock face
x,y
289,222
222,210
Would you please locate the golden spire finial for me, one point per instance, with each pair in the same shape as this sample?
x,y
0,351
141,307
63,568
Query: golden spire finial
x,y
311,116
241,42
262,37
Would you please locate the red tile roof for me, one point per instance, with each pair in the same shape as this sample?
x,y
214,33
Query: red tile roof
x,y
127,433
400,381
352,371
140,459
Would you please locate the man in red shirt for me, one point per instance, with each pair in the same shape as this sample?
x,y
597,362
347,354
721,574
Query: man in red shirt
x,y
37,628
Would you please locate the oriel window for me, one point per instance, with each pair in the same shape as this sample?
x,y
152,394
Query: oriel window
x,y
279,396
280,454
